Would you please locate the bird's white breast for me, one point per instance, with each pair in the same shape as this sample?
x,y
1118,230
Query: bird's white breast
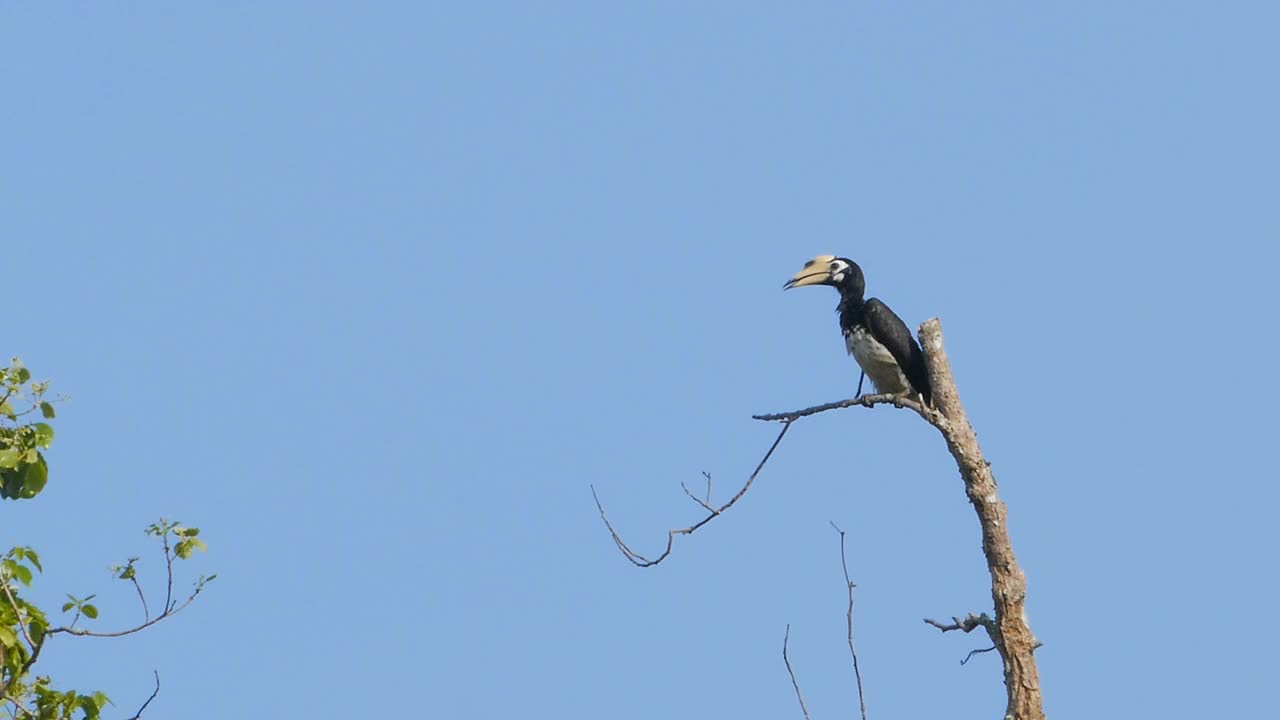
x,y
876,361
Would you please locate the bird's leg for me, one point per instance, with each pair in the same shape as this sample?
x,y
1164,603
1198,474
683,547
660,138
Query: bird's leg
x,y
861,376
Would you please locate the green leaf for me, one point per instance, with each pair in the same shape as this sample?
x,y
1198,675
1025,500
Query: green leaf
x,y
67,606
21,374
89,706
34,477
185,547
9,458
22,572
46,409
44,434
10,484
7,637
34,558
90,611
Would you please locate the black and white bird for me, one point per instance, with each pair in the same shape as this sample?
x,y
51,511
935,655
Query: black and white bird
x,y
874,335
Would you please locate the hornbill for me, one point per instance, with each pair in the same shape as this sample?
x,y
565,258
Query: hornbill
x,y
875,336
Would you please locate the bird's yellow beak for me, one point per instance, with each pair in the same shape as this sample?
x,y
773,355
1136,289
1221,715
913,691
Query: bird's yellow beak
x,y
814,272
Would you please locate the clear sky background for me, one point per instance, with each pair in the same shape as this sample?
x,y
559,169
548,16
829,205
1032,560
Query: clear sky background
x,y
373,292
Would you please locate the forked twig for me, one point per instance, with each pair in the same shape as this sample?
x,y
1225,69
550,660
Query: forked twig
x,y
857,673
967,624
713,512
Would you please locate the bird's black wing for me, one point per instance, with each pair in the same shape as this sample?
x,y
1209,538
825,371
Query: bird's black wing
x,y
885,326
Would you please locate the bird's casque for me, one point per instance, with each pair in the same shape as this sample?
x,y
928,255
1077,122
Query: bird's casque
x,y
876,337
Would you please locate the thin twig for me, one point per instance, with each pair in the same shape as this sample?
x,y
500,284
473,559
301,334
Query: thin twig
x,y
976,652
785,639
17,707
857,673
707,475
705,504
930,415
154,693
641,561
146,613
168,563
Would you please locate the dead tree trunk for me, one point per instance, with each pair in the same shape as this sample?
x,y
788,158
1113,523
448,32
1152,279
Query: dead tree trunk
x,y
1009,630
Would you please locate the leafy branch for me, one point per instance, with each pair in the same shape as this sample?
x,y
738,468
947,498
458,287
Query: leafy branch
x,y
25,630
23,469
179,543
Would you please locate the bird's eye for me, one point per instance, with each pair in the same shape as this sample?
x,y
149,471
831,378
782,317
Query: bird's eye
x,y
835,266
810,263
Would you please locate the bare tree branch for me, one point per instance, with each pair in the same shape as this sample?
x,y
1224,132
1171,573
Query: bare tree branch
x,y
642,561
706,505
899,401
785,639
154,693
968,624
857,673
976,652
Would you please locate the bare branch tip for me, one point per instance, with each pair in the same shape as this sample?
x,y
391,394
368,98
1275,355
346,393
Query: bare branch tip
x,y
979,651
794,683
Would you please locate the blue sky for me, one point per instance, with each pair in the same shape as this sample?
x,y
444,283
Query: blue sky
x,y
373,292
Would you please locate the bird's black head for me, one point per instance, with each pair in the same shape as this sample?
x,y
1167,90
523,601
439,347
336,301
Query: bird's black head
x,y
841,273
